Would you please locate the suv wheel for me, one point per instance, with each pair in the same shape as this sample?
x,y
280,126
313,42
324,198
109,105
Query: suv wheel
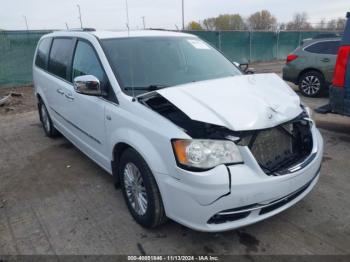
x,y
140,190
311,84
46,121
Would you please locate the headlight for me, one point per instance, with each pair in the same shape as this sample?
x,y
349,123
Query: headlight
x,y
205,154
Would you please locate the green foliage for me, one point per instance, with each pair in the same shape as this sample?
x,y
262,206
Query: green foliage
x,y
262,20
225,22
194,26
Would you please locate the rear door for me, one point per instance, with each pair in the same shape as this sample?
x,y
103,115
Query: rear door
x,y
58,65
325,55
40,70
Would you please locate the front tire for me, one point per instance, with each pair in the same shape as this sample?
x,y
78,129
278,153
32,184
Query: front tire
x,y
46,121
140,190
312,84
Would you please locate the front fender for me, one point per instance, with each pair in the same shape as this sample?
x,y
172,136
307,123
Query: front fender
x,y
142,145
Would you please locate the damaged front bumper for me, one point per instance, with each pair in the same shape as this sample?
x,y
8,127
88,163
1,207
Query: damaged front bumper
x,y
229,197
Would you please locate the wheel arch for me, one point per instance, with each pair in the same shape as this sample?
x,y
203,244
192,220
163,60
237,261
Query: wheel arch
x,y
139,143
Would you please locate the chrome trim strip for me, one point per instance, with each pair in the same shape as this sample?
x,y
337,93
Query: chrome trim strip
x,y
78,128
261,206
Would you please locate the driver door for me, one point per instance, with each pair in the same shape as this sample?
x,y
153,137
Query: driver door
x,y
85,113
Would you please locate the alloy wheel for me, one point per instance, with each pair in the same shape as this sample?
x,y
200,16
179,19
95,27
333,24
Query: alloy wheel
x,y
135,189
311,85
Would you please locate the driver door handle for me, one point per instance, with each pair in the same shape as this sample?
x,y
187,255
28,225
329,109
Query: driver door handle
x,y
60,91
69,96
325,59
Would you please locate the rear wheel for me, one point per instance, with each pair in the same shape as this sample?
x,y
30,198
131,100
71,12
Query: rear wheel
x,y
140,190
312,84
46,121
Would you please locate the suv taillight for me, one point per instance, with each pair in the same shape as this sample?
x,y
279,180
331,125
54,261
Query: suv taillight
x,y
291,57
340,66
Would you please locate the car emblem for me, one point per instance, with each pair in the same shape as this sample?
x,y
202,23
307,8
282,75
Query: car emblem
x,y
270,116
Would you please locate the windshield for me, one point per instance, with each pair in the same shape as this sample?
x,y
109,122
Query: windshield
x,y
143,64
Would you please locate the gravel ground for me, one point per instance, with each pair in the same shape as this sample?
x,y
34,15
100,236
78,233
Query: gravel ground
x,y
55,200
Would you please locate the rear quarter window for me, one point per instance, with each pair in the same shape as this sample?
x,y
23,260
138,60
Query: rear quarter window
x,y
60,57
42,53
326,47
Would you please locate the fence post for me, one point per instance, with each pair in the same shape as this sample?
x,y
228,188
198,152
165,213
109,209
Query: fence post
x,y
278,38
250,46
220,41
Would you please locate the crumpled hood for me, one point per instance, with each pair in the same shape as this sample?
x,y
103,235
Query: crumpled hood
x,y
244,102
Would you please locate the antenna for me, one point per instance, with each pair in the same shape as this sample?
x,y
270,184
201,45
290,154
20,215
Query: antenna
x,y
81,23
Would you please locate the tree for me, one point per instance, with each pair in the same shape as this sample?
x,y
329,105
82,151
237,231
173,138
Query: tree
x,y
322,24
299,22
341,22
262,20
194,26
209,23
229,22
336,24
225,22
332,24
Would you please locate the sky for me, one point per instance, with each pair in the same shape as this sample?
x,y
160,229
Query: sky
x,y
111,14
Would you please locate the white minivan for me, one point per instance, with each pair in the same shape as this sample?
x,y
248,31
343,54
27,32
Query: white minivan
x,y
184,133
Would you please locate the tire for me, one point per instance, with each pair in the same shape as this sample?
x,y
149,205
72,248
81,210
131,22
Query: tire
x,y
46,121
312,84
151,214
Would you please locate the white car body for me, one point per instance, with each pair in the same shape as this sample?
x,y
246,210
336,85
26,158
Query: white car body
x,y
247,102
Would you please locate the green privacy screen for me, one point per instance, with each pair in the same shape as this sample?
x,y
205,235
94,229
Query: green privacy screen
x,y
16,56
17,49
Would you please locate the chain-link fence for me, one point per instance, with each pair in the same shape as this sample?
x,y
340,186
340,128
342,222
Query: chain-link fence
x,y
17,48
16,56
256,46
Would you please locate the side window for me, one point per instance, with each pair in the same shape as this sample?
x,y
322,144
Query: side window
x,y
333,47
86,63
327,47
42,53
60,56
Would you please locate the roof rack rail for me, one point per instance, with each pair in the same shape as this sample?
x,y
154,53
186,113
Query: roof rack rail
x,y
82,29
159,29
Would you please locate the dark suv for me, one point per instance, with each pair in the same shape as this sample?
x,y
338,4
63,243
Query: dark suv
x,y
339,94
311,65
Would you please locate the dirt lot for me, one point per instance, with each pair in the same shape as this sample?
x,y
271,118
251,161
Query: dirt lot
x,y
54,200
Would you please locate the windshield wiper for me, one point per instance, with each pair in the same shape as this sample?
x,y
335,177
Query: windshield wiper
x,y
148,88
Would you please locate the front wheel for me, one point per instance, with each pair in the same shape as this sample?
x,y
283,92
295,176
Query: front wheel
x,y
140,190
311,84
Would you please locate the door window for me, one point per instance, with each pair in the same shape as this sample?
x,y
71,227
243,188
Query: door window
x,y
60,57
86,63
42,53
327,47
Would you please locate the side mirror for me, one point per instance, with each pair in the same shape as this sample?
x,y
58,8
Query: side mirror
x,y
243,67
249,71
87,85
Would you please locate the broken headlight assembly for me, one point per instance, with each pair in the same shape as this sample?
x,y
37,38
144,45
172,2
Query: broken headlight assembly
x,y
307,110
204,154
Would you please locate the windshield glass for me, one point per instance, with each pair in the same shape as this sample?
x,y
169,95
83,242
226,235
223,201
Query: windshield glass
x,y
149,63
